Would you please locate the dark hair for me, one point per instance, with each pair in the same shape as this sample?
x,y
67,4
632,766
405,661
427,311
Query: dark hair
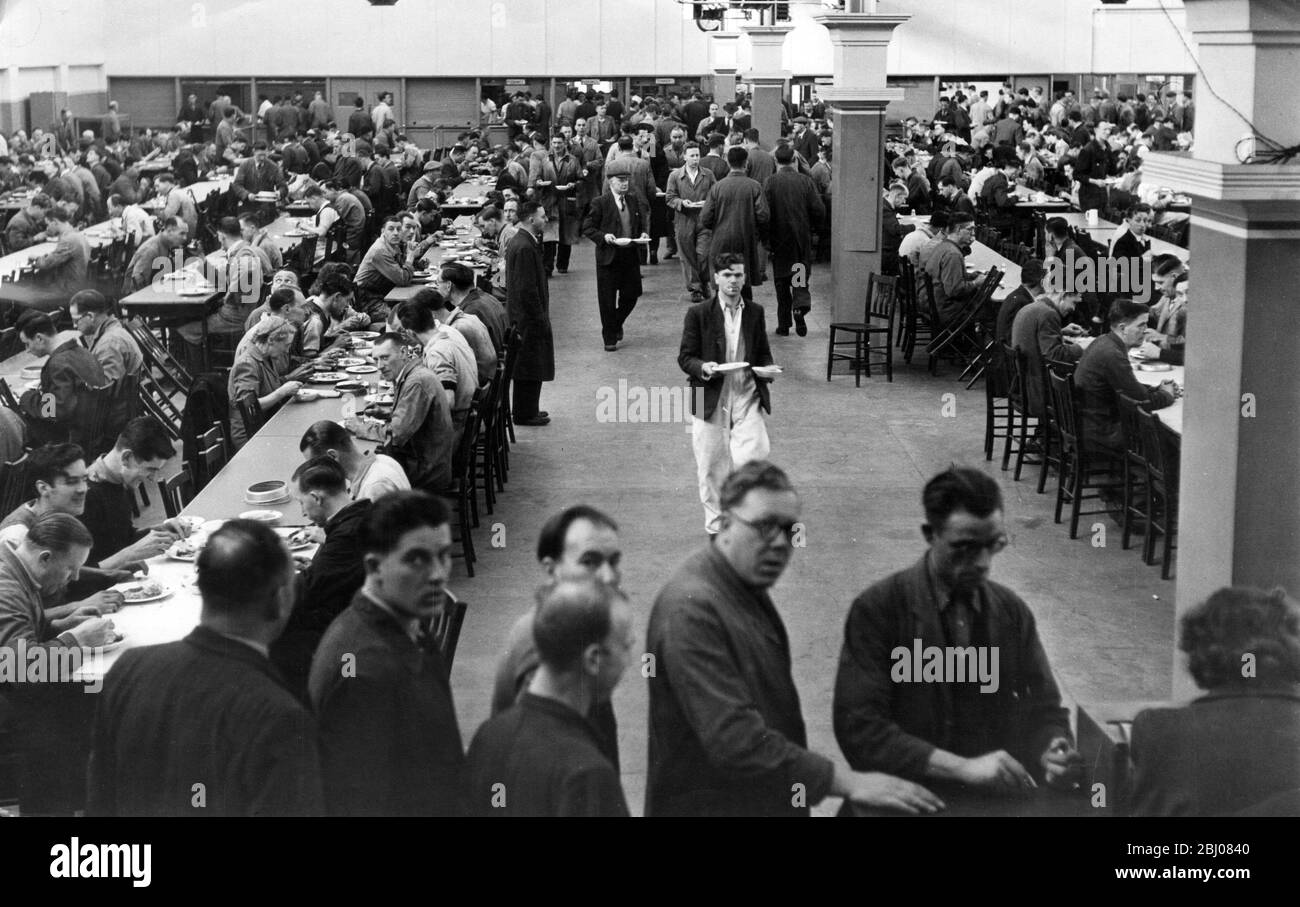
x,y
1237,621
784,154
334,279
59,532
724,261
50,461
758,474
1124,310
229,226
396,514
528,209
321,473
31,322
569,617
415,315
431,299
145,437
716,140
89,301
239,566
957,220
491,212
939,220
1165,263
323,436
959,488
1139,208
550,543
737,157
1058,227
456,274
279,299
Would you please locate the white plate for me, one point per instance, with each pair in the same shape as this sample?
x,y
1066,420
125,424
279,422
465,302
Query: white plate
x,y
729,367
764,371
363,335
362,370
288,534
349,362
328,393
622,241
382,399
162,592
327,377
262,516
285,499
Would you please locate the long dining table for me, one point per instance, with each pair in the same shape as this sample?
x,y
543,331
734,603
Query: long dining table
x,y
1152,376
1103,231
271,453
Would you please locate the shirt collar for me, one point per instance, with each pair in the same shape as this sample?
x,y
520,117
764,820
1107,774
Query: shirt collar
x,y
740,304
259,648
944,594
410,625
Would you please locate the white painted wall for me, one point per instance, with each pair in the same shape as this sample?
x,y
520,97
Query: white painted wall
x,y
552,38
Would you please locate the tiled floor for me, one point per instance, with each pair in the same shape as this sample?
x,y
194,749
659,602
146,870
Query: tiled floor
x,y
859,457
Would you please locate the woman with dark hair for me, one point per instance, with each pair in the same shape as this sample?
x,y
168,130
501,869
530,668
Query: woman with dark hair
x,y
1235,750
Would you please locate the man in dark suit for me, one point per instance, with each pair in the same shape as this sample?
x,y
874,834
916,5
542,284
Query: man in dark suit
x,y
1031,285
891,231
991,725
336,571
1131,242
390,744
205,726
543,748
528,302
1104,372
736,212
794,206
258,174
727,735
1037,332
730,429
62,401
614,222
1090,170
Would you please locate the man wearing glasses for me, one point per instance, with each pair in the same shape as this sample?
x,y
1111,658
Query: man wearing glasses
x,y
999,737
947,267
727,735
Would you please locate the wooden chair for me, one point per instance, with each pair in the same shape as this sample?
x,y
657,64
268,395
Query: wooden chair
x,y
489,442
172,376
93,427
960,338
7,397
1019,441
462,492
1083,470
15,484
1137,498
213,454
155,401
445,629
1050,422
998,423
250,410
513,342
178,491
1161,447
878,320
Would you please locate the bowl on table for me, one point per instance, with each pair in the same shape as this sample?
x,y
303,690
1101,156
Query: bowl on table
x,y
352,386
272,491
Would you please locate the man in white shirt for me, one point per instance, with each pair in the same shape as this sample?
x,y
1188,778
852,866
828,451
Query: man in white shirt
x,y
370,476
727,402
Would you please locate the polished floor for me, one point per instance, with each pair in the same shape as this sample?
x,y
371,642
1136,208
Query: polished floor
x,y
859,458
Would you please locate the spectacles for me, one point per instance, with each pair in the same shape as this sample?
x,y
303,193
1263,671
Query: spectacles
x,y
768,530
967,549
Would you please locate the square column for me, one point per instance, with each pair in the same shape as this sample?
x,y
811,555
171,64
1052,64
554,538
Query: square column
x,y
768,78
858,99
724,61
1239,519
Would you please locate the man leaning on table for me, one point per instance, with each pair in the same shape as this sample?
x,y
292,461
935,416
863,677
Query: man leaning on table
x,y
205,726
1001,732
1105,371
370,475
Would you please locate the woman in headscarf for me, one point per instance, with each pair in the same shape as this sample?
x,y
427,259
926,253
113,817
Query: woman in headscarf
x,y
257,370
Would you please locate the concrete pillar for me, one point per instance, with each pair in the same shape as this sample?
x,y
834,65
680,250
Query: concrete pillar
x,y
724,62
767,77
858,99
1239,520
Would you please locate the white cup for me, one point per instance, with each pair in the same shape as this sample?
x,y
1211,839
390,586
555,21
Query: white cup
x,y
1090,217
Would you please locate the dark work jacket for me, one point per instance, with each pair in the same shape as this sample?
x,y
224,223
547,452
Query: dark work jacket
x,y
893,727
528,302
727,734
794,206
390,744
66,375
736,211
1104,372
205,710
549,759
704,339
323,592
602,217
1228,752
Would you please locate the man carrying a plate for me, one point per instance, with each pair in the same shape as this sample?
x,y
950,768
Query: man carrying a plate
x,y
725,352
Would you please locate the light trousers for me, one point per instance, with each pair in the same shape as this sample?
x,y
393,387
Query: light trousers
x,y
726,440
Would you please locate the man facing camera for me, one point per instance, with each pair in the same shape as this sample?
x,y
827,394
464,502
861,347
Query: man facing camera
x,y
727,735
390,744
542,756
729,430
1000,730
